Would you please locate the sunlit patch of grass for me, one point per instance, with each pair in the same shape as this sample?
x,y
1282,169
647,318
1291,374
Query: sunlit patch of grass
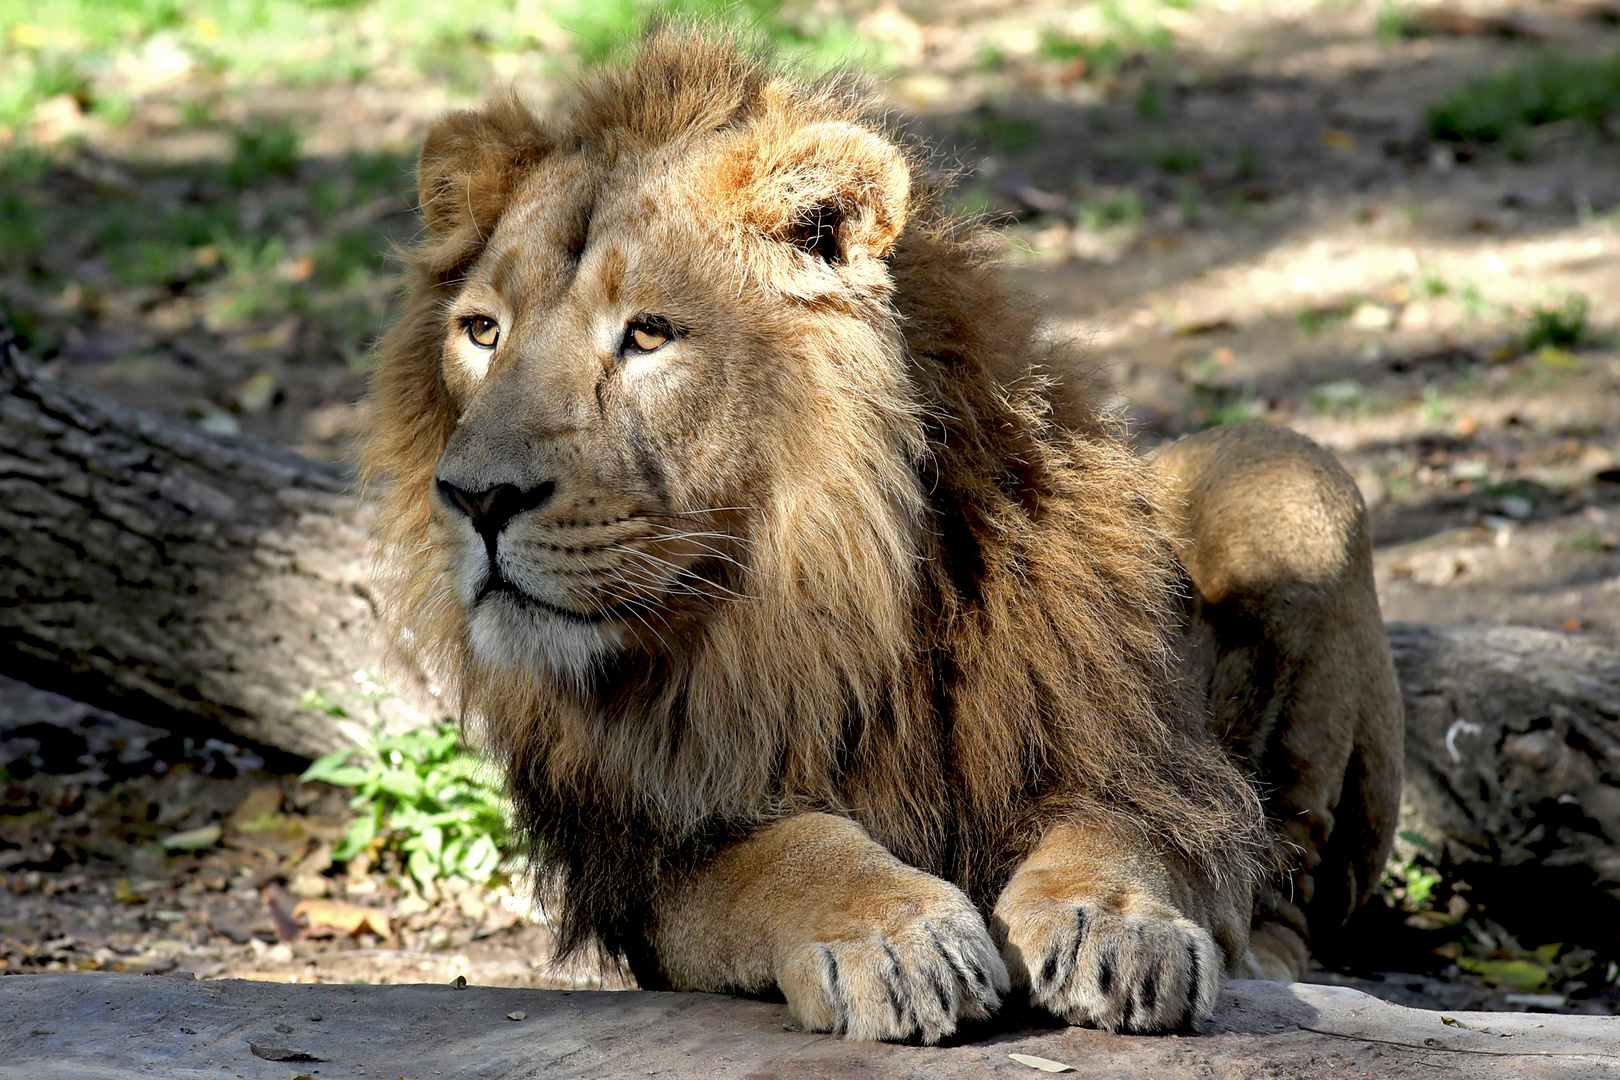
x,y
809,34
1544,89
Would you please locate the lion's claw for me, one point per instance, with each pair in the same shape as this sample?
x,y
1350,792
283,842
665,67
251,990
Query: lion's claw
x,y
917,982
1093,965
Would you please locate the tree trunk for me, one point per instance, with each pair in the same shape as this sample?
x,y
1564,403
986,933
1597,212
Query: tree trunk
x,y
1513,764
205,585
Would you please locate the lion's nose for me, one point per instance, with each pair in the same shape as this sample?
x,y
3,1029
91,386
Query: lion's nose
x,y
489,510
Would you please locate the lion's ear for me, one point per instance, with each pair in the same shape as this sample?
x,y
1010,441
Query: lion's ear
x,y
834,190
469,163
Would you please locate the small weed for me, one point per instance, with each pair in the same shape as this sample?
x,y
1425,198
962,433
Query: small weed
x,y
1410,877
1234,410
1432,285
1395,23
1562,326
1121,209
1008,134
1545,89
1436,408
1339,397
1589,543
426,798
1189,201
1150,102
1320,320
1140,33
1098,59
263,150
1474,304
1246,163
1180,159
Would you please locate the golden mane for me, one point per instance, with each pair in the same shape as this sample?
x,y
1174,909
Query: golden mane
x,y
956,612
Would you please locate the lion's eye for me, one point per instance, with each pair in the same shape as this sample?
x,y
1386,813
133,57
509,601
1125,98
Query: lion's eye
x,y
482,330
645,335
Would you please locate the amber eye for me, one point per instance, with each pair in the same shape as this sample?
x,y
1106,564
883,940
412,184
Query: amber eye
x,y
645,335
482,330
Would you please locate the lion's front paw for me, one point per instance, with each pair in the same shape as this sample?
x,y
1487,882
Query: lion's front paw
x,y
915,980
1092,964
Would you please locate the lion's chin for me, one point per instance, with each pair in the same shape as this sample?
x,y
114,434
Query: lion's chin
x,y
505,632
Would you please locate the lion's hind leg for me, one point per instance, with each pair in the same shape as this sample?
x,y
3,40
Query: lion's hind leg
x,y
1290,645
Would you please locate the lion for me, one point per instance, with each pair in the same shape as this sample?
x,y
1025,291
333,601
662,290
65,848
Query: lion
x,y
834,642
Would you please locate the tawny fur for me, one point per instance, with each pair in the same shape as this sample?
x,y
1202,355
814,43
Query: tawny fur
x,y
919,582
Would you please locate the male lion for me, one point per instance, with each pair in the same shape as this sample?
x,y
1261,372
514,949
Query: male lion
x,y
832,640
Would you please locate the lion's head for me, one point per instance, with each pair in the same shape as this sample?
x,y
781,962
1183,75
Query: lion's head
x,y
715,472
656,356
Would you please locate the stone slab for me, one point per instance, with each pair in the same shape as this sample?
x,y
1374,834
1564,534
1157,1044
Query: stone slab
x,y
121,1027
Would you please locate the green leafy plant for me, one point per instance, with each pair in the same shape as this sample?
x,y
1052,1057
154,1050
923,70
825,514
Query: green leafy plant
x,y
423,796
1560,326
1545,89
1410,878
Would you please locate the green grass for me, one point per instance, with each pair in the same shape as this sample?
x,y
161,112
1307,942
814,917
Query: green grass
x,y
89,48
991,128
1394,22
1557,326
1179,158
1319,320
1121,209
1546,88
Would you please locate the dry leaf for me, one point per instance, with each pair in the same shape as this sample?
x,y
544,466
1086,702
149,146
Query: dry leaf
x,y
1043,1064
519,1015
259,803
349,918
193,839
125,893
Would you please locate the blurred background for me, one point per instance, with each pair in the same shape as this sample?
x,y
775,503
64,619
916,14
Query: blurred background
x,y
1394,226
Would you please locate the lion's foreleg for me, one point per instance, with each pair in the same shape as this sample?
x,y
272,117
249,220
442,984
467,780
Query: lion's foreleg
x,y
1105,932
858,942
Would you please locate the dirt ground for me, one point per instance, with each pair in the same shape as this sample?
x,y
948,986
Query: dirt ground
x,y
1244,214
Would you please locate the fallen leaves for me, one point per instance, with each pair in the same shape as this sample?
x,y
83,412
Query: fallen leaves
x,y
351,919
1043,1064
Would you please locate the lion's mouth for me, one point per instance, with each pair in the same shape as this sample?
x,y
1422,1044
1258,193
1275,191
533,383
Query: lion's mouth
x,y
497,585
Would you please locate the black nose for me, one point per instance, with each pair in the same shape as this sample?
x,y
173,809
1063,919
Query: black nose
x,y
489,510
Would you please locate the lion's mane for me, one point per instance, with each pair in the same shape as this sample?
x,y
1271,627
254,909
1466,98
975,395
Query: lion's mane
x,y
957,619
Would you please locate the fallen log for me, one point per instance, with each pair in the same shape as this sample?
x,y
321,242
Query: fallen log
x,y
1513,765
205,585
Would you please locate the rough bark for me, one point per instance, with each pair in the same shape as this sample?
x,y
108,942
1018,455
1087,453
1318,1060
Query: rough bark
x,y
202,584
1513,759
